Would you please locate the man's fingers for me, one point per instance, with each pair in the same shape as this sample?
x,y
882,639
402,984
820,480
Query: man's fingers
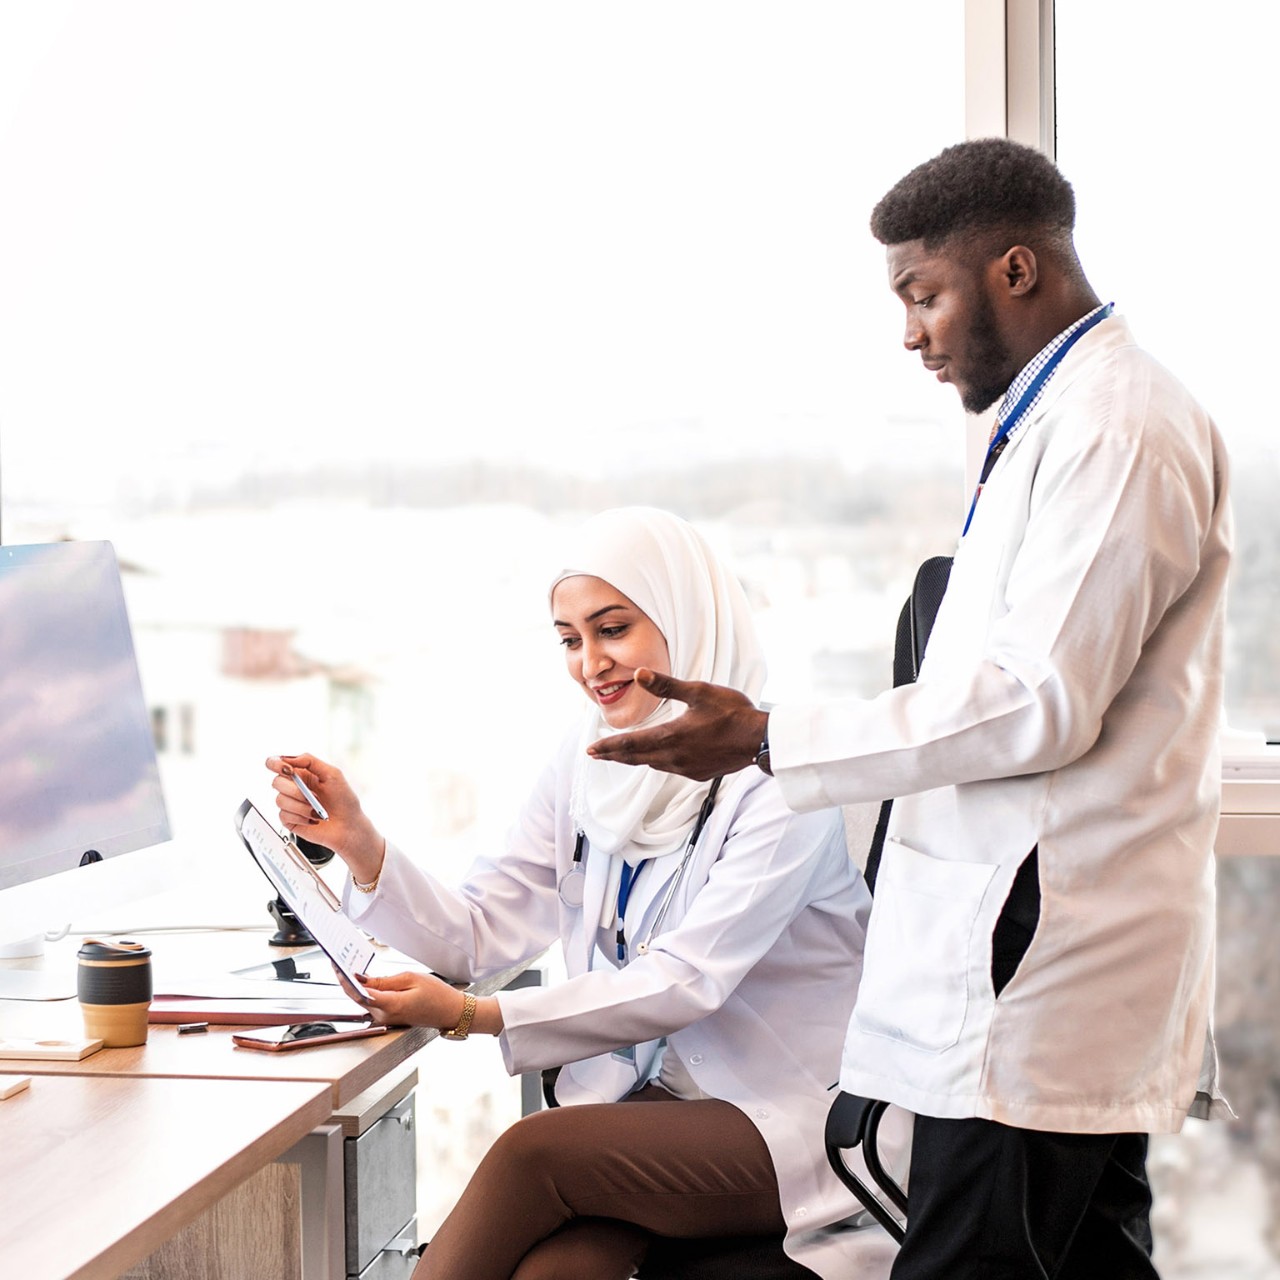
x,y
718,734
664,686
655,747
628,748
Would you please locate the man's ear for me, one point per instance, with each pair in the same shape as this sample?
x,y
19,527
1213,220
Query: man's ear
x,y
1017,271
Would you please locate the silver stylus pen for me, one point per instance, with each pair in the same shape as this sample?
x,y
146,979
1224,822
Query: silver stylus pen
x,y
307,794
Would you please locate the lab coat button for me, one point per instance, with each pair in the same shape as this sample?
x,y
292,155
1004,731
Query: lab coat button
x,y
802,1212
762,1114
695,1059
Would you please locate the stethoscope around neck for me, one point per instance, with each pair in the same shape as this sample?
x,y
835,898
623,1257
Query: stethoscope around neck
x,y
573,882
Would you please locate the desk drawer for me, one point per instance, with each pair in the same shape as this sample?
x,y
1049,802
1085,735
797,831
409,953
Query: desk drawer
x,y
380,1169
392,1263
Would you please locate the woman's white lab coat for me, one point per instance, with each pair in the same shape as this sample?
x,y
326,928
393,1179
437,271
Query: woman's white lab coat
x,y
1070,700
750,979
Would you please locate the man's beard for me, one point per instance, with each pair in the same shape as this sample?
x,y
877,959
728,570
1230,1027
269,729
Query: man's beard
x,y
990,360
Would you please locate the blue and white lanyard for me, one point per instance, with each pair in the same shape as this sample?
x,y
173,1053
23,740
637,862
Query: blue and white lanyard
x,y
630,873
571,883
1004,429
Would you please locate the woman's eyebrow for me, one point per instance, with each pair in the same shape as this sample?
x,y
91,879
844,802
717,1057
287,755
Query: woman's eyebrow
x,y
591,617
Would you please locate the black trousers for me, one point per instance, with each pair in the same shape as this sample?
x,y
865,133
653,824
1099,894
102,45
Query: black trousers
x,y
990,1202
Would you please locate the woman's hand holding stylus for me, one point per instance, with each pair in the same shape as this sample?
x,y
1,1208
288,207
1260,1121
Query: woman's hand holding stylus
x,y
339,823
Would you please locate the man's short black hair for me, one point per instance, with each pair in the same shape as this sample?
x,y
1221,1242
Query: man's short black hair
x,y
990,184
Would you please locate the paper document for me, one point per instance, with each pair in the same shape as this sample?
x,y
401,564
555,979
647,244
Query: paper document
x,y
242,1013
308,897
220,987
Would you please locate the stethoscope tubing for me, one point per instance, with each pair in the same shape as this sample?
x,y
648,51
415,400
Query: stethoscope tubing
x,y
573,897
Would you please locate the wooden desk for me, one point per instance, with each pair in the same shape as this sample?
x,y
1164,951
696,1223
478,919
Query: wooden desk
x,y
347,1069
98,1172
309,1189
185,1067
344,1069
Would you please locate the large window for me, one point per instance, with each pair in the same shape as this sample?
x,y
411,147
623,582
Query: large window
x,y
331,316
1163,128
327,317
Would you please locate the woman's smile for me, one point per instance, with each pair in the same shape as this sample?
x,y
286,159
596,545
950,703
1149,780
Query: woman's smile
x,y
608,694
606,638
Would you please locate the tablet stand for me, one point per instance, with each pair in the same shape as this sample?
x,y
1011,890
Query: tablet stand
x,y
290,931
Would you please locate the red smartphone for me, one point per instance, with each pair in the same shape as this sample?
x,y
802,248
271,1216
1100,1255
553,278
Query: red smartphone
x,y
302,1035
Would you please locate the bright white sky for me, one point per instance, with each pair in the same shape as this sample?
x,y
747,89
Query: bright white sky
x,y
1165,128
568,231
571,231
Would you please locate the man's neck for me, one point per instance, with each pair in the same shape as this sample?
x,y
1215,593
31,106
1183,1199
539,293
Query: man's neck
x,y
1037,369
1053,316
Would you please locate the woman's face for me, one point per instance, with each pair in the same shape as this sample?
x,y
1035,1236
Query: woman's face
x,y
605,638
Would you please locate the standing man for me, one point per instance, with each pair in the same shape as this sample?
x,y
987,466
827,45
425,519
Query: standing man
x,y
1039,969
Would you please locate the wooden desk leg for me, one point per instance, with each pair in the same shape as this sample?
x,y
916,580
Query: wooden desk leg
x,y
254,1230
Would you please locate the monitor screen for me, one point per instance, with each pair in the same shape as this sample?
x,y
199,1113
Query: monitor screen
x,y
78,774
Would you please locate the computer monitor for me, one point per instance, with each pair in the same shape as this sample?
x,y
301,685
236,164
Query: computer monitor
x,y
79,783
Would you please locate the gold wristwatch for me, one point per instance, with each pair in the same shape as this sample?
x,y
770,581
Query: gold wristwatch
x,y
463,1029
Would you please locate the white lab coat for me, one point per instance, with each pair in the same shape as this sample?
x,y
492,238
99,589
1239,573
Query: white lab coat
x,y
1071,699
751,978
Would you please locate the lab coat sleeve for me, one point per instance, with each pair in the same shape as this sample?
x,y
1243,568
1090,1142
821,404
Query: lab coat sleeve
x,y
1108,542
503,913
758,882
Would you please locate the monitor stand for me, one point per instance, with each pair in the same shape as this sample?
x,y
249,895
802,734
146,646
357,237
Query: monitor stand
x,y
32,984
23,948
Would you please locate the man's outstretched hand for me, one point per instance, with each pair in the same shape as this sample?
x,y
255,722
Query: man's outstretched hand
x,y
720,733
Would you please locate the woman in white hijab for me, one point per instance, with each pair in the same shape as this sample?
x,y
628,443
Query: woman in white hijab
x,y
712,941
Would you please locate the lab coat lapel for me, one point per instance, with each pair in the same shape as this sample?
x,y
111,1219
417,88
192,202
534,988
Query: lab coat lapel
x,y
1111,333
593,892
650,893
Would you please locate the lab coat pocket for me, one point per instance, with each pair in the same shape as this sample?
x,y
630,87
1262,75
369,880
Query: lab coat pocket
x,y
916,981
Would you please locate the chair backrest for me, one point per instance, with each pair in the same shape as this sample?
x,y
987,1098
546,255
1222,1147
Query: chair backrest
x,y
915,622
854,1121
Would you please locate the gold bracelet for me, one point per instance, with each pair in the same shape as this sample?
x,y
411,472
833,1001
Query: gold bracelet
x,y
463,1029
373,884
366,888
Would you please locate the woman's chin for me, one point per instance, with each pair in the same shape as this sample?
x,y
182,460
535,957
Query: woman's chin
x,y
629,712
619,719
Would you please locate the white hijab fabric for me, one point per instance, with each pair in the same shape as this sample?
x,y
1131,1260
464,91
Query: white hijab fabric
x,y
664,566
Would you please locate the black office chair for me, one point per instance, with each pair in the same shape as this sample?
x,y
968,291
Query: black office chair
x,y
721,1258
915,622
854,1121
